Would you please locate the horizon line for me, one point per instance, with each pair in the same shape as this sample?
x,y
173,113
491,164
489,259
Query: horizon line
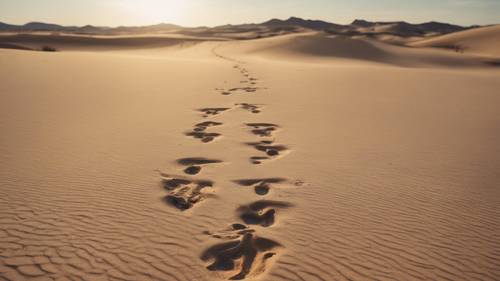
x,y
243,23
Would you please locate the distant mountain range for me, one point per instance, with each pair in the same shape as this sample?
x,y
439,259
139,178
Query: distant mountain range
x,y
292,24
40,26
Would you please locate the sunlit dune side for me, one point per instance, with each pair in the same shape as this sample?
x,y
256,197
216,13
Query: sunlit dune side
x,y
306,155
481,41
324,47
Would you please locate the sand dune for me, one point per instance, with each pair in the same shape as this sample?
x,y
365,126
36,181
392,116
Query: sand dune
x,y
482,41
74,42
298,157
323,46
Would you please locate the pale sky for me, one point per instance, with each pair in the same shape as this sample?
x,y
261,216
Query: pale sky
x,y
218,12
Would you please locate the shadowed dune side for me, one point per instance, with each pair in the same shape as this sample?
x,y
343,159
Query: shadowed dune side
x,y
483,41
14,47
71,42
322,46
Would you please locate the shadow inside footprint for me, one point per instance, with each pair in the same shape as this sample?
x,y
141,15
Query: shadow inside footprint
x,y
204,125
268,147
244,257
261,212
263,129
194,164
254,108
264,219
212,110
199,131
203,136
244,89
258,159
261,186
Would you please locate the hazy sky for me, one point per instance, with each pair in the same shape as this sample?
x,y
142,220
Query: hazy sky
x,y
217,12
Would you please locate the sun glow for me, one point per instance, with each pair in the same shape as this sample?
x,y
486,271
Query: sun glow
x,y
154,11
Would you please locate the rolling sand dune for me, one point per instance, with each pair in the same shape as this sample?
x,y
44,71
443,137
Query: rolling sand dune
x,y
482,41
322,46
299,157
92,43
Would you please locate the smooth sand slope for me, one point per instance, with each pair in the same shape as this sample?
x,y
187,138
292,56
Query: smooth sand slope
x,y
91,43
255,160
482,41
322,48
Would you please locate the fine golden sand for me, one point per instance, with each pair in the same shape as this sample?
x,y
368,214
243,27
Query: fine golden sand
x,y
299,157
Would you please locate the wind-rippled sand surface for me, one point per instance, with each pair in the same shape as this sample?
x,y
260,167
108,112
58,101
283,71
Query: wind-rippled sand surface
x,y
264,159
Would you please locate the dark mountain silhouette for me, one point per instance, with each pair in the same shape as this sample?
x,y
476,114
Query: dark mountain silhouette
x,y
35,26
5,26
402,27
273,26
294,21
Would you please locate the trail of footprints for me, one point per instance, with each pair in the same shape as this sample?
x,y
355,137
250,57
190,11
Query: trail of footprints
x,y
243,253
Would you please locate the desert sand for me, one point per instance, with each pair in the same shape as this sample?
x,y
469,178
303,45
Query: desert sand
x,y
306,156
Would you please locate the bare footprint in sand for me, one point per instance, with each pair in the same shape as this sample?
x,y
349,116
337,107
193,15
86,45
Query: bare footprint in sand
x,y
184,193
261,212
261,186
243,90
258,159
212,110
245,257
253,108
204,125
271,150
199,131
234,231
195,164
203,136
262,129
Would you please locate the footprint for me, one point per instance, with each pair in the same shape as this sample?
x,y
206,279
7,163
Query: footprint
x,y
254,108
184,193
203,136
267,146
263,129
258,159
261,186
241,258
234,231
199,131
222,91
261,212
244,89
194,164
212,111
204,125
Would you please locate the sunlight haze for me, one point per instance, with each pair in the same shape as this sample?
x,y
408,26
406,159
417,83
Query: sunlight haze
x,y
219,12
